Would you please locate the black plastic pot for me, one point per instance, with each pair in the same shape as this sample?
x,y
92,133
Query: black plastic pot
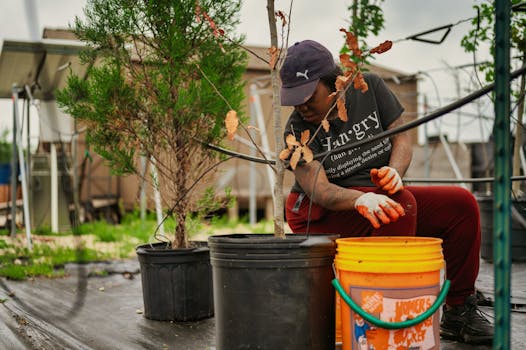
x,y
176,283
518,230
272,293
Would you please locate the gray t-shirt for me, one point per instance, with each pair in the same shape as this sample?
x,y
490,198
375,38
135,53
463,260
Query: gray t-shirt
x,y
369,113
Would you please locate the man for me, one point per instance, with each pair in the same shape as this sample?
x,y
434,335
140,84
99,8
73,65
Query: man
x,y
359,192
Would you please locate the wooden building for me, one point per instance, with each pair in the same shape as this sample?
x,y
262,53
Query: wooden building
x,y
99,188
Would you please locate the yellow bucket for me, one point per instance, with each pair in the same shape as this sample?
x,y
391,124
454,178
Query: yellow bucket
x,y
338,324
393,279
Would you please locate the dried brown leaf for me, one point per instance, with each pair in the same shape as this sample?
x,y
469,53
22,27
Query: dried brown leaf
x,y
341,82
342,110
345,60
326,125
285,154
383,47
305,135
273,52
231,123
308,156
296,156
291,141
330,98
352,42
359,83
283,18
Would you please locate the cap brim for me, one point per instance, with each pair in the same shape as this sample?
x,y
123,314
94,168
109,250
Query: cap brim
x,y
297,95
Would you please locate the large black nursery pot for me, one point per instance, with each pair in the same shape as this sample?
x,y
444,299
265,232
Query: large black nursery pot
x,y
272,293
176,283
518,228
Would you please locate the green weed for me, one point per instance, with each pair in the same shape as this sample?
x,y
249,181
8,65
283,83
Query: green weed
x,y
17,262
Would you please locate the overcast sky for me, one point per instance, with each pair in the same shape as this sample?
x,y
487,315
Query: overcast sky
x,y
311,19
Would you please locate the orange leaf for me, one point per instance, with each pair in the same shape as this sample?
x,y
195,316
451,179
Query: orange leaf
x,y
305,135
341,82
291,141
326,125
359,83
346,61
385,46
296,156
283,18
330,98
285,154
273,52
342,111
352,42
364,87
231,123
307,154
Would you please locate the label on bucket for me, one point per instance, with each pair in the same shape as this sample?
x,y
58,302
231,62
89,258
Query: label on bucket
x,y
394,305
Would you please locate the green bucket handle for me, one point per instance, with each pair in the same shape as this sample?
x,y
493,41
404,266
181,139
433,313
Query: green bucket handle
x,y
392,325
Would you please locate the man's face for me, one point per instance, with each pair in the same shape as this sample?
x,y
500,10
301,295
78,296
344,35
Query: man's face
x,y
317,106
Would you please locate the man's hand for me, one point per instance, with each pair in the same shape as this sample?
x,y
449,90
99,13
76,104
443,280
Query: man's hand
x,y
387,179
378,209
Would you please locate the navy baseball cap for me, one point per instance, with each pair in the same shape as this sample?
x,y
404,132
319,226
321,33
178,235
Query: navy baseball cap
x,y
305,63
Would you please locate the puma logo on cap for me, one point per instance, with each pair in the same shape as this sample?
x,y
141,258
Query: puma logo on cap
x,y
300,74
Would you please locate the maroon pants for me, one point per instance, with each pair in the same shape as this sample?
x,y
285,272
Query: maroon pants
x,y
447,212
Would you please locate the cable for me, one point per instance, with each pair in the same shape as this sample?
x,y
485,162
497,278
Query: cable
x,y
467,180
520,7
447,27
444,110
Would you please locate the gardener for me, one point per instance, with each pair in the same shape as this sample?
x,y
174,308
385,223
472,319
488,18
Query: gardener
x,y
359,192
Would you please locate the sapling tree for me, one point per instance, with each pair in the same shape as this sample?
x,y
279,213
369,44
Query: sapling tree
x,y
155,68
352,60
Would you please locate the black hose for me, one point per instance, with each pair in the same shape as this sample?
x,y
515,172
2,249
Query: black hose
x,y
438,113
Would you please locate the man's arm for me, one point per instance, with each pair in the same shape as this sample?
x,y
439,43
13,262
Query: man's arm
x,y
330,196
402,151
376,208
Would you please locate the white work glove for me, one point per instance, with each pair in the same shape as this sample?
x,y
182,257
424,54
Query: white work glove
x,y
387,179
378,209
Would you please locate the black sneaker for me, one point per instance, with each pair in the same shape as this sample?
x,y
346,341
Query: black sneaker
x,y
466,323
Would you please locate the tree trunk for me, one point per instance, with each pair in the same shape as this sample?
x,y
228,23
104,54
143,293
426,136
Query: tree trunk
x,y
181,197
279,230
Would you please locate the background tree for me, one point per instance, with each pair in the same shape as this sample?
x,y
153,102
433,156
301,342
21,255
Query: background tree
x,y
483,33
159,84
367,18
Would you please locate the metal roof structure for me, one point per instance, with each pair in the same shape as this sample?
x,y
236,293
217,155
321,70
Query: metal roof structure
x,y
35,70
42,65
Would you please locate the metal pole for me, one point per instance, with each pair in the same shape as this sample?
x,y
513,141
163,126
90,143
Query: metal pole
x,y
21,164
14,162
256,101
252,204
54,187
451,158
143,189
28,135
426,143
76,194
502,185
